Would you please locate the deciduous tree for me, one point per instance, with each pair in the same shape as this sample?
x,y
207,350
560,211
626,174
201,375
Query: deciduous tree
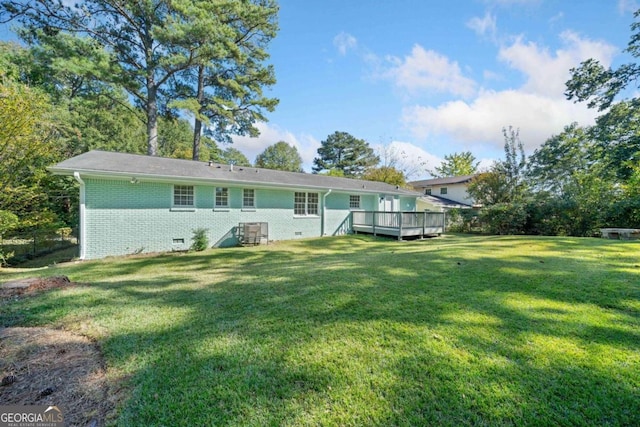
x,y
456,164
617,130
280,156
231,155
558,162
387,174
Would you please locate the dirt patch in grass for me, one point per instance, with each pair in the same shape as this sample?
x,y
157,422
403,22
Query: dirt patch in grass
x,y
42,366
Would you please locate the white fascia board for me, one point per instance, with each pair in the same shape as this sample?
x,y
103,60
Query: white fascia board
x,y
189,180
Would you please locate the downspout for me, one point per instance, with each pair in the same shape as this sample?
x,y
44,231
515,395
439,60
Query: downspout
x,y
324,212
83,223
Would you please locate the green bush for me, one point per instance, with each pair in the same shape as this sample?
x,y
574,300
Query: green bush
x,y
504,218
463,221
8,221
200,240
624,213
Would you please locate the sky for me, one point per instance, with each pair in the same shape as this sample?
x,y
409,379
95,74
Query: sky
x,y
423,79
430,78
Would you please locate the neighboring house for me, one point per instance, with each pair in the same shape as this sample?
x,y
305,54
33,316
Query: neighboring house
x,y
133,203
440,194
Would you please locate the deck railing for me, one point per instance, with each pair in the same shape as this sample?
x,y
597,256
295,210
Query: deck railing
x,y
429,222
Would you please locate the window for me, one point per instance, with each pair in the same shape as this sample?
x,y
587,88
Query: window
x,y
305,203
222,197
312,203
300,204
443,190
183,195
427,191
354,202
248,198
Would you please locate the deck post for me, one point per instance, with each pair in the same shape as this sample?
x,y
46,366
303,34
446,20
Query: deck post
x,y
399,225
373,216
424,224
444,222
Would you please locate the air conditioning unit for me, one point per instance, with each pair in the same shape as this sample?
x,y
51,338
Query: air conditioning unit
x,y
253,233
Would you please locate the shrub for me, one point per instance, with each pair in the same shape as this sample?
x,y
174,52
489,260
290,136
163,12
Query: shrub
x,y
624,213
8,221
200,240
504,218
463,221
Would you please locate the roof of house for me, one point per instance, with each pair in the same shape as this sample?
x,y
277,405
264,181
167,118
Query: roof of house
x,y
442,202
141,167
442,181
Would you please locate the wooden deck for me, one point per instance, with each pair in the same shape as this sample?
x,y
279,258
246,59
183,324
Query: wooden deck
x,y
399,224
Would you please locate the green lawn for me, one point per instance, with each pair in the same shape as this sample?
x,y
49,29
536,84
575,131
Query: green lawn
x,y
361,331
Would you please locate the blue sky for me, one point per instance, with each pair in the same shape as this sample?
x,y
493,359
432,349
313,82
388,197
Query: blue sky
x,y
430,78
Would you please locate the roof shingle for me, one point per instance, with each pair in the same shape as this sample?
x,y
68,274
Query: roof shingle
x,y
103,163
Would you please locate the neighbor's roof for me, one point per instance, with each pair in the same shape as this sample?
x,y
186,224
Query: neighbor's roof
x,y
442,202
441,181
109,164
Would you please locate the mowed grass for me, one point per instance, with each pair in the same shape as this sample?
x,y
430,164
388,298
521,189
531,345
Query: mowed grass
x,y
356,330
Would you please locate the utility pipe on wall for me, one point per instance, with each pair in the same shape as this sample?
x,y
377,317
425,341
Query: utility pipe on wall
x,y
324,212
82,225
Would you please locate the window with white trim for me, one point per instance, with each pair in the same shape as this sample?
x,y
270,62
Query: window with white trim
x,y
354,201
427,191
443,190
183,195
305,203
222,197
248,198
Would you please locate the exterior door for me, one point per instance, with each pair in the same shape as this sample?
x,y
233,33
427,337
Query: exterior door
x,y
387,204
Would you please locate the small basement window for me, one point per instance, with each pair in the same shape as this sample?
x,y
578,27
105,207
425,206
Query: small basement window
x,y
178,241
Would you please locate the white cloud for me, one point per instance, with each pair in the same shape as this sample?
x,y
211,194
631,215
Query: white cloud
x,y
407,157
627,6
481,121
538,107
270,134
548,72
344,42
427,70
556,18
485,26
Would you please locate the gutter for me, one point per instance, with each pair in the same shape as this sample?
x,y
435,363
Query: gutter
x,y
324,212
83,224
228,180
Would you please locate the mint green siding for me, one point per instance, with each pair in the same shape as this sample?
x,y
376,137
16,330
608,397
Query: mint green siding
x,y
125,218
407,204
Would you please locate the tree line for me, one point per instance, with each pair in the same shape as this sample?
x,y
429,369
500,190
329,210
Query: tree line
x,y
180,78
583,179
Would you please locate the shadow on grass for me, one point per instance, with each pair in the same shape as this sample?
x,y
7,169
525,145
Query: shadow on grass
x,y
358,330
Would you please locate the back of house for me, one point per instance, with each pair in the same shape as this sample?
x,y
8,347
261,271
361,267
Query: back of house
x,y
133,203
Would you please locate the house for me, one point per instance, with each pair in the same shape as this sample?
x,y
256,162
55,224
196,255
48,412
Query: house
x,y
133,203
441,194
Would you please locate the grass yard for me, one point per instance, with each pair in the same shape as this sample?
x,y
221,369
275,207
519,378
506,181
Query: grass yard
x,y
356,330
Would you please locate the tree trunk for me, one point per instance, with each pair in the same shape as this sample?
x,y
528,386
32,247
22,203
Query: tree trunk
x,y
197,127
152,117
